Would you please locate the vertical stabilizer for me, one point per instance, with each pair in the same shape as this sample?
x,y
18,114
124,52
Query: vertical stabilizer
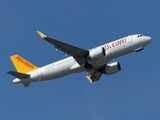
x,y
22,65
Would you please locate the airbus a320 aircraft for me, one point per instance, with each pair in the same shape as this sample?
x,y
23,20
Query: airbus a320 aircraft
x,y
94,61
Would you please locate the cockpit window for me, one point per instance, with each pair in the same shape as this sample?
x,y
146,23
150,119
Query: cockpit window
x,y
140,35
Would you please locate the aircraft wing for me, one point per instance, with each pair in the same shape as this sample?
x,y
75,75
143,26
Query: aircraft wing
x,y
78,53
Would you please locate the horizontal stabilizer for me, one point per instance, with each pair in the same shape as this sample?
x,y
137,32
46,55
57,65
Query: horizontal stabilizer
x,y
18,75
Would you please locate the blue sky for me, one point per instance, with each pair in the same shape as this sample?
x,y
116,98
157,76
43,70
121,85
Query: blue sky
x,y
130,94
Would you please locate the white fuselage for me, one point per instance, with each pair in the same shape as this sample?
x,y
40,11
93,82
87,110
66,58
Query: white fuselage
x,y
69,65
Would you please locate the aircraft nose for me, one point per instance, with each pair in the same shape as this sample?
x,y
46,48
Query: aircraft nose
x,y
148,39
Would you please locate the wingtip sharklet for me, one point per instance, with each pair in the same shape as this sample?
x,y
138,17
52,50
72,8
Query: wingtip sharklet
x,y
89,79
41,34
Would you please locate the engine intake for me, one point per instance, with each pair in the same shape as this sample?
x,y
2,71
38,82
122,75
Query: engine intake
x,y
97,53
112,68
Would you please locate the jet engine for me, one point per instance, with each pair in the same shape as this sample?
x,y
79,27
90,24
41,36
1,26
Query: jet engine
x,y
96,53
90,69
112,68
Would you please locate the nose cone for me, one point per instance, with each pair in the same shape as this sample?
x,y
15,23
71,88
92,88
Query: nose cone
x,y
148,39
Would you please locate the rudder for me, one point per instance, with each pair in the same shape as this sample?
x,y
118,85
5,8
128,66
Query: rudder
x,y
22,65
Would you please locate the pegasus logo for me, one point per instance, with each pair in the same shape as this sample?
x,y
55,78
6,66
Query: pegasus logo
x,y
21,60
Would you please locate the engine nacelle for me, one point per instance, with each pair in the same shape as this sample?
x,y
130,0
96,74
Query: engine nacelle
x,y
90,70
112,68
97,53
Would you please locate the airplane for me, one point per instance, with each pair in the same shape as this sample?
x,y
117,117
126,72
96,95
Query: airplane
x,y
95,61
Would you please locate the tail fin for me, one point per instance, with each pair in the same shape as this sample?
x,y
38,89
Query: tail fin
x,y
22,65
